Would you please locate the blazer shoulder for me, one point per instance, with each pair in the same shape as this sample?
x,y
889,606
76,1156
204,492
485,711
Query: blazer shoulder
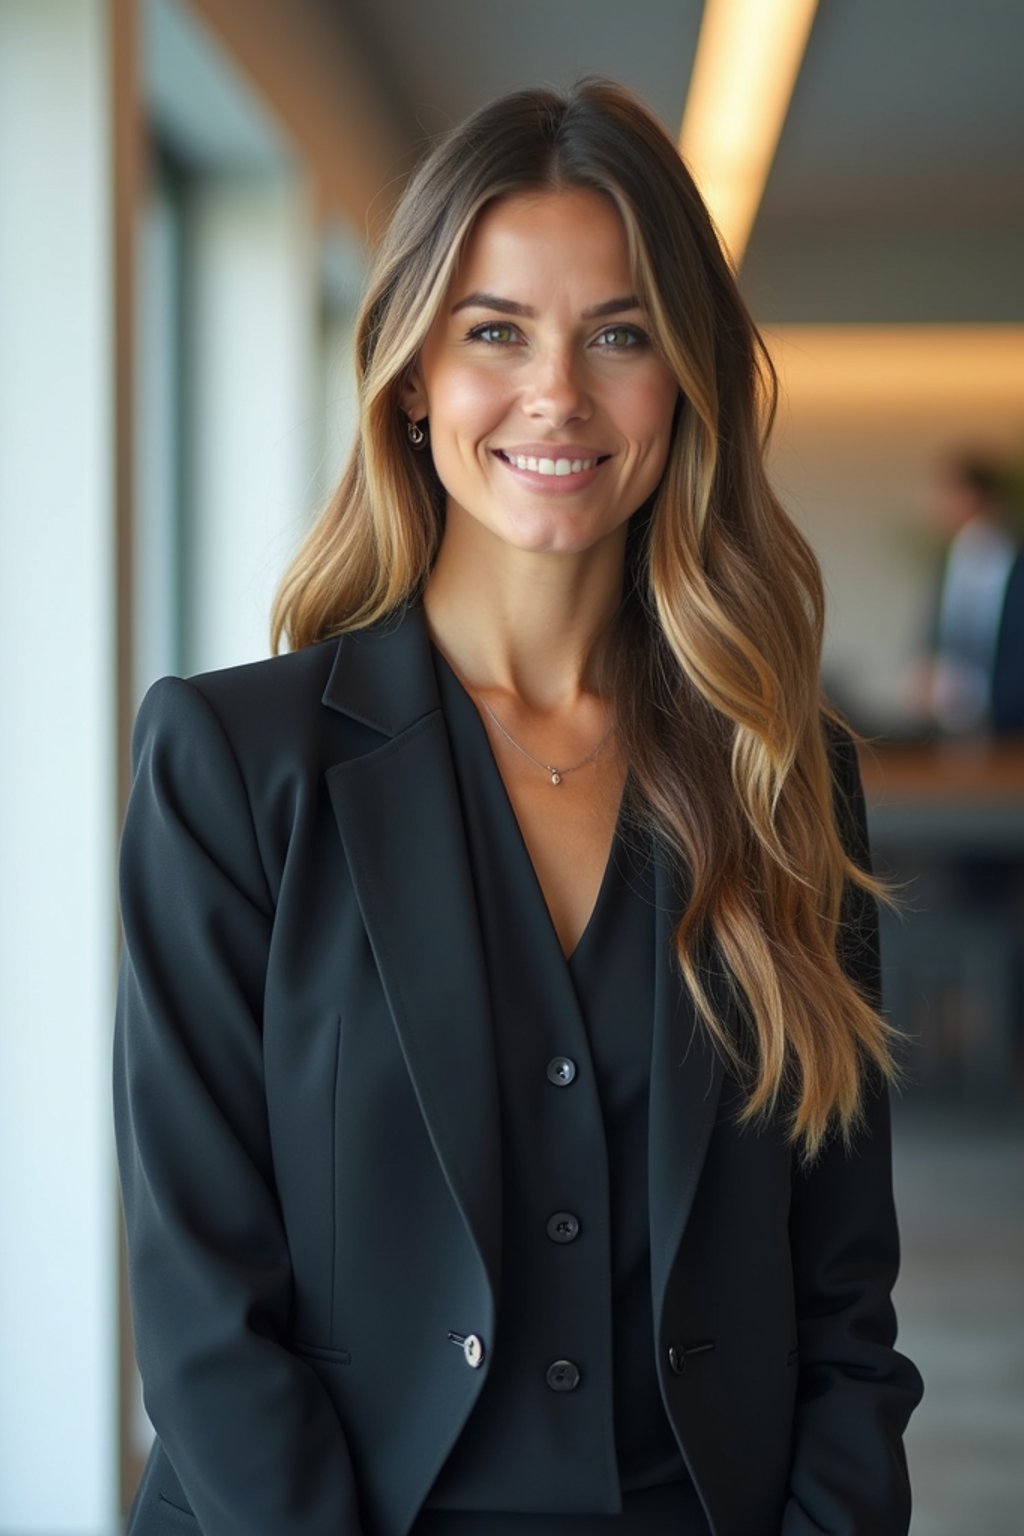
x,y
843,756
267,713
290,683
839,741
254,699
848,799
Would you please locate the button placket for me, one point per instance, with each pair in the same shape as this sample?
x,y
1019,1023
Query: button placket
x,y
562,1227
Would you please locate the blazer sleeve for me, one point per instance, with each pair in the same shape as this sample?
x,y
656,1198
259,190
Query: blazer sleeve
x,y
856,1392
251,1434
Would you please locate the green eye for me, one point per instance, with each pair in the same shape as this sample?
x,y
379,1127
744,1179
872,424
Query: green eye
x,y
627,336
495,332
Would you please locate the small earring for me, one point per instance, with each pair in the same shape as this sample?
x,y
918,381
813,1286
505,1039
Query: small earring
x,y
417,435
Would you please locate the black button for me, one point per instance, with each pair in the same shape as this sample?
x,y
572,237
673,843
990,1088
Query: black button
x,y
562,1376
563,1226
561,1071
678,1354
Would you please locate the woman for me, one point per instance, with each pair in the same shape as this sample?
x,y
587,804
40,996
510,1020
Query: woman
x,y
501,1088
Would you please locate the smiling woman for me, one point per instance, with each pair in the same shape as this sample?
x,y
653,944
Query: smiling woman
x,y
501,1077
597,400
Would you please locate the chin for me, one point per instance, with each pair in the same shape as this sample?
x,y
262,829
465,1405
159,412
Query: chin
x,y
560,541
551,533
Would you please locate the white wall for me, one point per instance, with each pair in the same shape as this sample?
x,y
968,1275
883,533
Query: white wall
x,y
57,914
251,350
156,543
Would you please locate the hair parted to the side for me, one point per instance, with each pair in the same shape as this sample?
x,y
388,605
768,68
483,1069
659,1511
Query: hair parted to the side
x,y
714,660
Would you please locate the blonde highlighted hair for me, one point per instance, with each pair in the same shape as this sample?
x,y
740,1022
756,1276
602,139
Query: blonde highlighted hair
x,y
739,763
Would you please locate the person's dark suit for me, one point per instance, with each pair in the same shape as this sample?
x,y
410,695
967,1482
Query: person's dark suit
x,y
1005,713
1008,665
307,1126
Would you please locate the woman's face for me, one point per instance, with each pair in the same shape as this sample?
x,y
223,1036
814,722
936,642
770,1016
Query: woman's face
x,y
549,411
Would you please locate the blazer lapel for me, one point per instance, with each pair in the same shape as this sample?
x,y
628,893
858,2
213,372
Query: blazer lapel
x,y
686,1083
400,820
398,813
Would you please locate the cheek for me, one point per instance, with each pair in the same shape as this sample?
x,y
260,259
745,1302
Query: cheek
x,y
651,407
659,404
466,402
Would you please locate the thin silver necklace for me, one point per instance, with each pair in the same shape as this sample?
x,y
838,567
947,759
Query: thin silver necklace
x,y
557,774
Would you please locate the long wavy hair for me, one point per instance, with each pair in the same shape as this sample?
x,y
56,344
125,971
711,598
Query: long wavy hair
x,y
713,665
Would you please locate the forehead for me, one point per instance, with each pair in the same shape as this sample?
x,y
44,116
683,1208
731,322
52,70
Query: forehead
x,y
543,237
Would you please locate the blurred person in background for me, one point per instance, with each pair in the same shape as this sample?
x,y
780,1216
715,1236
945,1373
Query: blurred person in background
x,y
501,1081
970,686
971,683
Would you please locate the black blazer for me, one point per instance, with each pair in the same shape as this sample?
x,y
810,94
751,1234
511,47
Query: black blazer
x,y
307,1128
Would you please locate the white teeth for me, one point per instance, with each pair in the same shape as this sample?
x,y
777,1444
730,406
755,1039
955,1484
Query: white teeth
x,y
550,466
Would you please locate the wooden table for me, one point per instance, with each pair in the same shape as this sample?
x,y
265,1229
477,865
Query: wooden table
x,y
948,818
953,797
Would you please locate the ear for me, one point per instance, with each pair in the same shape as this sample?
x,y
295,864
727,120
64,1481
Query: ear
x,y
412,396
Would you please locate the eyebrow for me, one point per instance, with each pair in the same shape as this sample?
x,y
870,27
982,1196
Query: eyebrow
x,y
512,307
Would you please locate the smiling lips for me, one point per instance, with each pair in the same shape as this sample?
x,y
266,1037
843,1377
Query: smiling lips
x,y
551,465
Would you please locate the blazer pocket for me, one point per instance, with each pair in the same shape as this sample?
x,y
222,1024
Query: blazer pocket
x,y
321,1352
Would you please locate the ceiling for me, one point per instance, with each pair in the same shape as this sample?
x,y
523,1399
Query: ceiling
x,y
897,191
443,59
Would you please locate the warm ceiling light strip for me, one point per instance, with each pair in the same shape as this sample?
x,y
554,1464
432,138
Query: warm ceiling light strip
x,y
747,60
882,369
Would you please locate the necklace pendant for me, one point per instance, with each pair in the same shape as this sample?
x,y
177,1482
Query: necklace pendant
x,y
556,777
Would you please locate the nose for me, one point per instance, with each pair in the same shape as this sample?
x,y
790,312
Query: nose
x,y
555,389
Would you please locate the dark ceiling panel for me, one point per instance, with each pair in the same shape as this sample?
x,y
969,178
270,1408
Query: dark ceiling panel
x,y
897,191
450,56
906,105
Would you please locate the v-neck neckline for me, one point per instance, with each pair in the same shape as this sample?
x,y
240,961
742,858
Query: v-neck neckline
x,y
514,821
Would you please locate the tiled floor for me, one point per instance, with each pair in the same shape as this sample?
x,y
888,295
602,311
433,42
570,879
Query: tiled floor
x,y
959,1182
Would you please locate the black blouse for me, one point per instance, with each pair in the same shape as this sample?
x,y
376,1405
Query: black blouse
x,y
569,1433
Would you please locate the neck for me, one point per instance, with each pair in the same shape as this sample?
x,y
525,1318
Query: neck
x,y
521,624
